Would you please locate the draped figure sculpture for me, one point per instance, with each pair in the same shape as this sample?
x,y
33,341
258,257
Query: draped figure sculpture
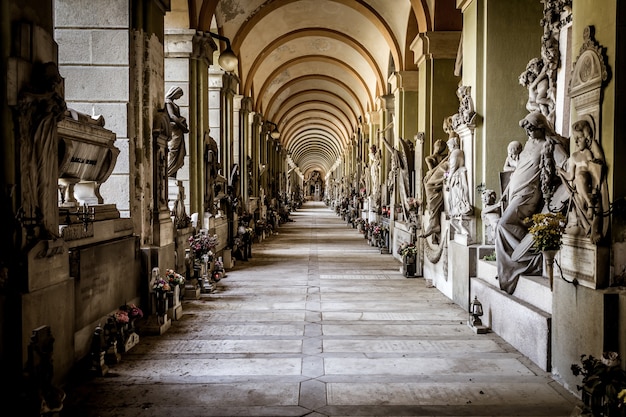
x,y
176,144
41,106
586,180
433,188
211,169
458,198
402,167
522,198
374,177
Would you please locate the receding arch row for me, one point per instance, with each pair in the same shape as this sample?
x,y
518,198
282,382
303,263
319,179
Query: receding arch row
x,y
310,112
314,143
320,158
312,100
286,89
360,6
317,132
271,80
315,128
360,49
335,102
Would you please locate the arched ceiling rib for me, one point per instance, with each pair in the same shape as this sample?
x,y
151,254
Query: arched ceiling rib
x,y
317,67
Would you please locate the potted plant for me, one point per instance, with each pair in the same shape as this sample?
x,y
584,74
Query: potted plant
x,y
603,385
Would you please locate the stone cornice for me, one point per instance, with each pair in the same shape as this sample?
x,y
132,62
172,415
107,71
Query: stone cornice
x,y
404,80
463,4
435,45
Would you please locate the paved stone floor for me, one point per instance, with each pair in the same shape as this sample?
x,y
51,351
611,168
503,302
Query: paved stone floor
x,y
318,323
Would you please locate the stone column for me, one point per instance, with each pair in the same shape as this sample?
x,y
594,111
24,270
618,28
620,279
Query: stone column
x,y
435,55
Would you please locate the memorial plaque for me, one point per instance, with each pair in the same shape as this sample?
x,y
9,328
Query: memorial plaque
x,y
582,260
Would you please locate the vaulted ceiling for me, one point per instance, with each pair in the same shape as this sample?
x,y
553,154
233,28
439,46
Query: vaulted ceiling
x,y
314,67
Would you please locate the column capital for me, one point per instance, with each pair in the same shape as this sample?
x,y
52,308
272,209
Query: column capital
x,y
435,45
404,80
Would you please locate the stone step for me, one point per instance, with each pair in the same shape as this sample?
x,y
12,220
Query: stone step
x,y
526,327
534,290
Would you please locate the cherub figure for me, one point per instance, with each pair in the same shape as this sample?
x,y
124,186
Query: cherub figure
x,y
513,151
585,178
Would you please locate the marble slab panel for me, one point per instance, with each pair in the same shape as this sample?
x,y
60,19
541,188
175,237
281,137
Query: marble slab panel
x,y
387,330
247,330
584,261
217,367
423,316
412,346
200,347
424,366
244,316
381,305
476,394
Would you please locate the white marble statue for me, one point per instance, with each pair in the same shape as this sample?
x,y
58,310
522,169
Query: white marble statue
x,y
492,210
586,179
176,143
434,179
374,176
523,197
513,150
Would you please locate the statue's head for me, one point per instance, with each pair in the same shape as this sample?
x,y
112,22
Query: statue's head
x,y
514,148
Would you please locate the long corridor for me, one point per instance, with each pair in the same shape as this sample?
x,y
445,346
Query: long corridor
x,y
318,323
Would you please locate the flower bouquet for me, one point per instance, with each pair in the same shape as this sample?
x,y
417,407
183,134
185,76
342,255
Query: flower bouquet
x,y
407,249
125,316
132,311
161,285
547,230
202,244
174,278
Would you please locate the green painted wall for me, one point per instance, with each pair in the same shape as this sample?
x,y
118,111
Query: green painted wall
x,y
510,36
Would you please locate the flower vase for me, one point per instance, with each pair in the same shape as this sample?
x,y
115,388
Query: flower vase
x,y
161,303
548,257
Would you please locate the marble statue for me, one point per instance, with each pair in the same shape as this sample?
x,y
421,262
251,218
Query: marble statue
x,y
40,107
211,170
540,79
154,277
374,176
402,167
513,150
181,219
433,188
458,197
536,80
522,198
492,210
586,180
176,143
466,114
